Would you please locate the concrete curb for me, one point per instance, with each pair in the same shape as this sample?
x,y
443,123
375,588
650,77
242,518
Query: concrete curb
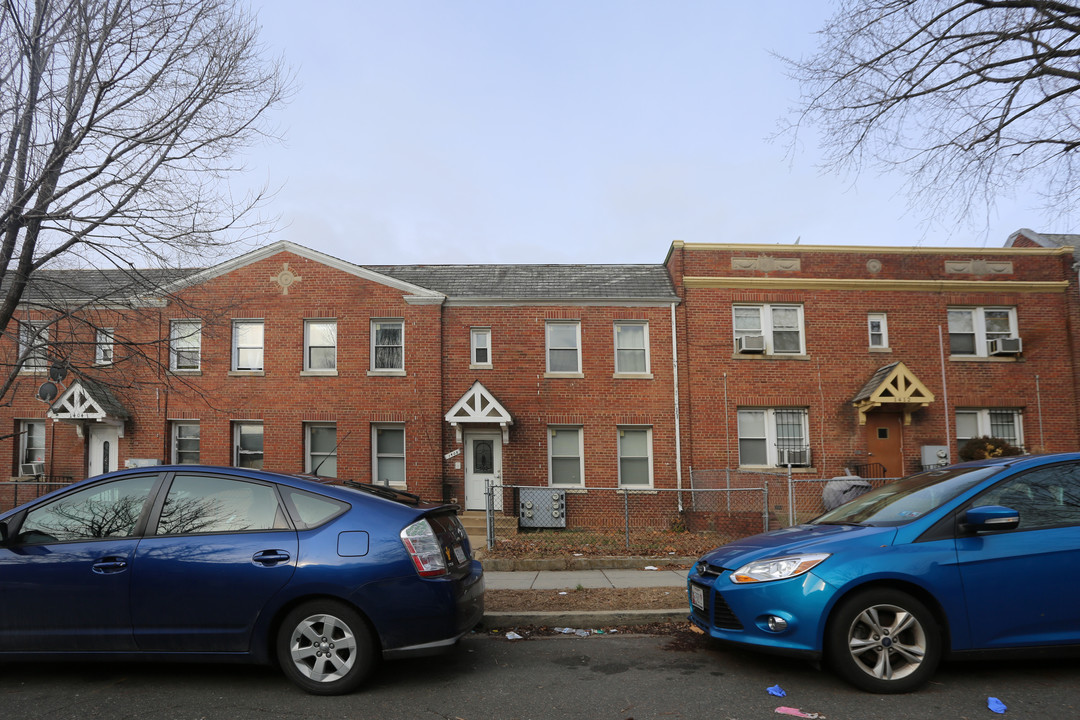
x,y
581,563
584,619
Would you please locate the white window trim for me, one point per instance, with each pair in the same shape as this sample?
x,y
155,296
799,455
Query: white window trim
x,y
104,339
552,429
772,454
371,363
309,459
765,311
979,323
308,370
24,439
884,320
237,452
174,435
982,423
174,335
547,350
36,348
621,429
236,346
619,372
473,347
375,428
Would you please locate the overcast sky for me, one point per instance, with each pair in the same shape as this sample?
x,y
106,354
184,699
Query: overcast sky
x,y
461,131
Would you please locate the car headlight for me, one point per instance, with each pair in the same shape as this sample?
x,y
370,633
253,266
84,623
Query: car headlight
x,y
777,568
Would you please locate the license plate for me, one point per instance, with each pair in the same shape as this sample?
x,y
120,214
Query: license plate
x,y
697,596
459,553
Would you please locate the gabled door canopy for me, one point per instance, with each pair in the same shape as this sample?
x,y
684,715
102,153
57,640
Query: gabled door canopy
x,y
88,401
893,385
476,406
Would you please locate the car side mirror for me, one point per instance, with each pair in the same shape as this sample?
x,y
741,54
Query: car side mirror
x,y
986,518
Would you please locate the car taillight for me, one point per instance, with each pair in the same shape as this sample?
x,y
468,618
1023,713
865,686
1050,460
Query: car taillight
x,y
424,548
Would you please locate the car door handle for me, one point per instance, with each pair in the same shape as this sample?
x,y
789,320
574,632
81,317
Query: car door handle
x,y
266,558
109,565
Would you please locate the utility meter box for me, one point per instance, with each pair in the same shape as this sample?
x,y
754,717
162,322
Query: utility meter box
x,y
541,508
934,456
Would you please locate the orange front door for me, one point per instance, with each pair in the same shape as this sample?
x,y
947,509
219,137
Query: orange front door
x,y
884,442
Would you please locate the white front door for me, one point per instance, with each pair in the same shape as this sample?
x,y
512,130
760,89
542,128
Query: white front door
x,y
483,462
104,448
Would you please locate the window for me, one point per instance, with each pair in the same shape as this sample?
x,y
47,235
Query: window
x,y
199,504
632,347
185,345
320,443
248,445
388,460
780,325
972,329
480,343
564,347
387,345
879,330
185,442
1004,423
565,456
1045,497
635,457
102,511
320,345
773,436
247,345
34,345
31,441
103,348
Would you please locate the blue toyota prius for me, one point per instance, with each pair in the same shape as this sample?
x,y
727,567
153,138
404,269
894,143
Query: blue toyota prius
x,y
980,557
183,562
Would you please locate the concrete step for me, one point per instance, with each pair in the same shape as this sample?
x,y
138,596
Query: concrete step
x,y
475,524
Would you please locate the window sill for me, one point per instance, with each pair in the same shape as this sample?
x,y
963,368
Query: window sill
x,y
768,356
247,373
881,350
646,490
386,373
985,358
185,372
481,366
570,489
632,376
318,373
779,469
563,375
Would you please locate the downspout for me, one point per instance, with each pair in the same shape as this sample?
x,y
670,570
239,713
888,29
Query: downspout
x,y
675,383
944,394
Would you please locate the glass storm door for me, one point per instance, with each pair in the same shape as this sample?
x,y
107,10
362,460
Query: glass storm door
x,y
483,462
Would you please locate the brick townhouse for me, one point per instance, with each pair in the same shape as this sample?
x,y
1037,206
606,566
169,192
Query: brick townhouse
x,y
438,378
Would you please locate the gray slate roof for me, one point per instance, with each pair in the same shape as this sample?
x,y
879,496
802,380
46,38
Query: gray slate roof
x,y
874,382
97,284
538,282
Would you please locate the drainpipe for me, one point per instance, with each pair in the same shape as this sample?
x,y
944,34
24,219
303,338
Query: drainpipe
x,y
944,393
678,431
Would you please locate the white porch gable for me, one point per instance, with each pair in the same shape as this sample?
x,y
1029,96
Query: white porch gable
x,y
85,401
476,406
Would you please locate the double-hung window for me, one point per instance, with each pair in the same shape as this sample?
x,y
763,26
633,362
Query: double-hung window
x,y
773,436
33,345
635,457
387,345
320,444
248,445
247,351
563,340
185,344
878,326
1004,423
480,347
185,442
388,458
320,345
103,347
779,326
972,329
631,347
566,463
31,441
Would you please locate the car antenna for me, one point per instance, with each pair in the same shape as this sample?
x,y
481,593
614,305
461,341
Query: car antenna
x,y
332,453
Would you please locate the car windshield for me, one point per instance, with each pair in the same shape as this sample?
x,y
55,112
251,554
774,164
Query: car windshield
x,y
907,499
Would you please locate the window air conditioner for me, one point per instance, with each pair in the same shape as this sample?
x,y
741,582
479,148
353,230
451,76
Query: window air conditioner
x,y
1005,346
750,344
36,468
795,458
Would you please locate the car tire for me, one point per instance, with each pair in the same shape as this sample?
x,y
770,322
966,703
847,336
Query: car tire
x,y
325,647
883,641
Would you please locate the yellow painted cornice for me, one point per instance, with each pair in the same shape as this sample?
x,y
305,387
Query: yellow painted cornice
x,y
939,286
874,250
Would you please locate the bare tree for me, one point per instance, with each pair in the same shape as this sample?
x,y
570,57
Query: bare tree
x,y
120,121
967,98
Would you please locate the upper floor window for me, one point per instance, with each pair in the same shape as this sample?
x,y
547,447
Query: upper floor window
x,y
387,345
185,442
773,436
320,445
635,457
247,351
480,347
248,445
185,345
103,348
877,324
632,347
563,347
566,457
320,345
388,458
771,329
1004,423
31,441
34,345
972,329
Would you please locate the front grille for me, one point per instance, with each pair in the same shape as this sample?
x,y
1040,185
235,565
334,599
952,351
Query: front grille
x,y
717,613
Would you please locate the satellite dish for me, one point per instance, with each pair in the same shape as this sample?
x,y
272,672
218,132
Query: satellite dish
x,y
58,372
47,392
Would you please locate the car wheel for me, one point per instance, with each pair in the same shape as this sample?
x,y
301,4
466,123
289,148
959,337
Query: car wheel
x,y
325,647
883,641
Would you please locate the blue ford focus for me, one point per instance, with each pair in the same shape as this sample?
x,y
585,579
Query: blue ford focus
x,y
183,562
976,558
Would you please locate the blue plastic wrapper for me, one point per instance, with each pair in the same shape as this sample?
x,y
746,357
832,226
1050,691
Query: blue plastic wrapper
x,y
996,705
777,691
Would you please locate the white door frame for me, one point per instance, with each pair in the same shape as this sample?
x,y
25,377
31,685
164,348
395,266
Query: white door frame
x,y
475,485
97,436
